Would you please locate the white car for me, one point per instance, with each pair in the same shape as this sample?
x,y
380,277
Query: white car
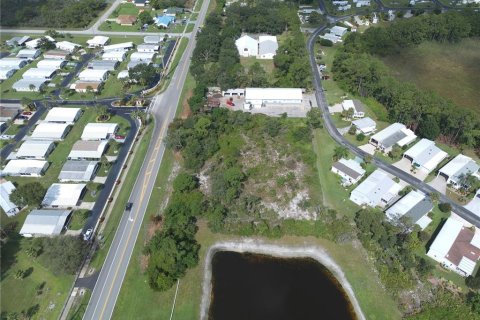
x,y
88,234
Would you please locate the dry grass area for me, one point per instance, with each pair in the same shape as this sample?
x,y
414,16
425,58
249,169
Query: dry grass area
x,y
452,70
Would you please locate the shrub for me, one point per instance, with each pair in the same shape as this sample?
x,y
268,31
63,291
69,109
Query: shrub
x,y
326,43
445,207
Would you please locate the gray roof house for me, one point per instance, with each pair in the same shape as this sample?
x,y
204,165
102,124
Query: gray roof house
x,y
45,223
78,170
415,205
109,65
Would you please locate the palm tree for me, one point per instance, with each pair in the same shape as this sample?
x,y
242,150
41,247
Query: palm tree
x,y
340,152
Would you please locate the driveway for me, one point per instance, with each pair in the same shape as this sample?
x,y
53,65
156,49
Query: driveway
x,y
368,148
439,184
406,165
337,108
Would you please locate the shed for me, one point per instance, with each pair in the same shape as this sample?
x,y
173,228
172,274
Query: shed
x,y
29,85
30,168
425,155
39,73
99,131
78,171
93,75
98,41
114,55
45,223
365,125
51,64
63,195
29,54
63,115
6,189
50,131
88,150
35,149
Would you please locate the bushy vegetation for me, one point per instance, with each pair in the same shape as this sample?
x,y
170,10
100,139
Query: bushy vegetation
x,y
28,194
358,70
50,13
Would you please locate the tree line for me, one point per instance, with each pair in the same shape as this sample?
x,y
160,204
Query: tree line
x,y
50,13
358,70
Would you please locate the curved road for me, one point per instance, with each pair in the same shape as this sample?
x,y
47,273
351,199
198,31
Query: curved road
x,y
332,130
109,283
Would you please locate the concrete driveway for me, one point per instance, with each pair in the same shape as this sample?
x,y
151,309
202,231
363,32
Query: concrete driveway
x,y
368,148
406,165
439,184
336,108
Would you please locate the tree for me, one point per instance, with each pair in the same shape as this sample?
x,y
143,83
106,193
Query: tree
x,y
340,152
19,274
435,197
429,128
360,137
46,44
28,194
445,207
474,301
143,73
64,254
326,43
27,103
396,152
145,18
185,182
352,130
314,118
316,18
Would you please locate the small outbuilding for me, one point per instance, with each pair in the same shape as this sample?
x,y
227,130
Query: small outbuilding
x,y
63,195
28,168
78,171
35,149
45,223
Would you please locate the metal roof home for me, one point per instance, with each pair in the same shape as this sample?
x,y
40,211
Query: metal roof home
x,y
118,47
350,171
13,62
63,115
126,19
63,195
356,106
33,44
338,31
28,54
376,190
247,46
98,131
396,133
365,125
50,131
135,63
17,41
109,65
7,72
45,223
114,55
56,54
85,86
51,63
267,47
6,188
39,73
35,149
458,168
142,56
425,155
456,247
415,205
147,47
9,111
98,41
474,204
87,150
93,75
29,85
67,46
32,168
78,170
152,39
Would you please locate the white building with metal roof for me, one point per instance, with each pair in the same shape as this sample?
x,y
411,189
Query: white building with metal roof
x,y
7,72
260,97
267,47
378,189
109,65
145,47
33,44
349,170
99,131
458,169
67,46
98,41
114,55
6,189
35,149
29,85
45,223
395,134
425,155
78,171
339,31
21,167
63,115
39,73
356,106
63,195
247,46
118,47
50,131
88,150
13,62
93,75
142,56
152,39
415,206
29,54
51,64
456,247
365,125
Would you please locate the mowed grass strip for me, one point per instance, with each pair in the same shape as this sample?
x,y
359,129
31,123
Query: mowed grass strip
x,y
452,70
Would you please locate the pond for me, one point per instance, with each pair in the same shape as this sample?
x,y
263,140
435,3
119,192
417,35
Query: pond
x,y
254,286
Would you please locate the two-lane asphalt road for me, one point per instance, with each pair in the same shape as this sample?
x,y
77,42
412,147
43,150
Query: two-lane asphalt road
x,y
109,283
332,130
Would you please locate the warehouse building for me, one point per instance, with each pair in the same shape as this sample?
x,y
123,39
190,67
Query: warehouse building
x,y
35,149
63,115
28,168
50,131
45,223
261,97
87,150
78,171
63,195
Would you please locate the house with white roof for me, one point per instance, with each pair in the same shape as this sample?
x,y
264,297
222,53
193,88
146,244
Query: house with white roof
x,y
109,65
29,54
260,97
349,170
338,31
114,55
63,195
456,247
331,37
50,131
63,115
67,46
458,169
378,189
29,85
267,47
7,72
474,204
98,41
17,41
142,56
99,131
395,134
51,64
365,125
135,63
33,44
78,171
425,155
247,46
13,62
88,150
45,223
93,75
152,39
40,73
356,106
29,168
35,149
414,206
148,47
56,54
118,47
6,189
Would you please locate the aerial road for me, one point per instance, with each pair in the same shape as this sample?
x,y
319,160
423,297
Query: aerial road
x,y
332,130
109,283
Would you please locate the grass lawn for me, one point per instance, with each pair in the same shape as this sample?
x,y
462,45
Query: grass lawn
x,y
13,129
267,65
78,219
21,295
78,309
198,5
451,70
333,92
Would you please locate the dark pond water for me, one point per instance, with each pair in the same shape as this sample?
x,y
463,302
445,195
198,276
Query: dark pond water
x,y
253,286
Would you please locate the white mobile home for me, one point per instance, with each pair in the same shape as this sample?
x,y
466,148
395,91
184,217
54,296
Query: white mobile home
x,y
39,73
88,150
458,169
35,149
30,168
7,72
78,171
356,106
93,75
365,125
67,46
414,206
13,62
50,131
63,115
119,47
378,189
29,85
63,195
349,170
114,56
51,64
395,134
29,54
99,131
6,189
98,41
247,46
425,155
45,223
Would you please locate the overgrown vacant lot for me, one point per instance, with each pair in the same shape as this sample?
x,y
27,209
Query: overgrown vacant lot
x,y
450,69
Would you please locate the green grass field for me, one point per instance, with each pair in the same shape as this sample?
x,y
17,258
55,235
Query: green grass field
x,y
451,70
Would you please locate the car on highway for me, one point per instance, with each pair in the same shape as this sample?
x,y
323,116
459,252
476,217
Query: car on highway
x,y
88,234
129,206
